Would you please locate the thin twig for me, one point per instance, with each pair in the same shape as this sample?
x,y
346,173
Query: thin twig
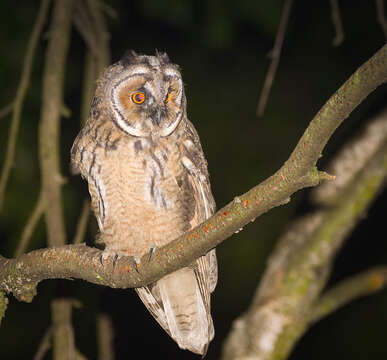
x,y
366,283
337,24
380,13
44,345
275,56
83,24
20,95
30,225
102,35
108,10
82,223
7,109
105,337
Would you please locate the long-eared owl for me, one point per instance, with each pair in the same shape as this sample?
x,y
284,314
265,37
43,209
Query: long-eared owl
x,y
148,182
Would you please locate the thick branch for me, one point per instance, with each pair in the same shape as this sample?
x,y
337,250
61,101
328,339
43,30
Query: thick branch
x,y
299,267
49,125
298,172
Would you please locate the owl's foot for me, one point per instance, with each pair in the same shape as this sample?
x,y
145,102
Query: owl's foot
x,y
109,253
136,263
151,250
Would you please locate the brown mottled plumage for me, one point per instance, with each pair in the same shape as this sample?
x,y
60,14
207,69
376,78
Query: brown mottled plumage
x,y
149,183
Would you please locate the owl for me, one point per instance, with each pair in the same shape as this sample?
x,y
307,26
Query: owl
x,y
148,182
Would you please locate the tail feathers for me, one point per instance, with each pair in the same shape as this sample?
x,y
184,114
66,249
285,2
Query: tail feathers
x,y
189,323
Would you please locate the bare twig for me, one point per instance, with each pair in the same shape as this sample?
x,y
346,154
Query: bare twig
x,y
93,30
7,109
380,13
30,226
52,102
337,24
108,10
275,56
44,345
20,95
82,223
105,337
84,25
102,35
366,283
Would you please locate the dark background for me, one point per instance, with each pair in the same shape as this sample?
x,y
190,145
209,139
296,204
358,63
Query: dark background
x,y
222,48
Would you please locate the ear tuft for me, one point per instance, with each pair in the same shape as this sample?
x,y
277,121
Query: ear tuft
x,y
163,57
129,58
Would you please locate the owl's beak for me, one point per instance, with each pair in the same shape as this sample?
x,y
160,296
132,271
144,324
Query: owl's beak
x,y
156,116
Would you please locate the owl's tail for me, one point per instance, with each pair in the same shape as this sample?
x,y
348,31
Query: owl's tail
x,y
189,322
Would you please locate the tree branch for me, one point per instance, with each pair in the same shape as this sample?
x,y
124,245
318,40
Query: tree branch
x,y
63,333
336,20
105,337
49,125
300,265
21,275
3,305
7,109
380,14
17,105
82,222
44,345
275,57
30,225
365,283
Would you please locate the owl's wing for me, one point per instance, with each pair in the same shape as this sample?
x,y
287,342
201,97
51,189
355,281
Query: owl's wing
x,y
153,305
196,165
193,159
86,154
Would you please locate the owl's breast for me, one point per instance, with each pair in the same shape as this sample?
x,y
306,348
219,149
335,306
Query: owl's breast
x,y
150,200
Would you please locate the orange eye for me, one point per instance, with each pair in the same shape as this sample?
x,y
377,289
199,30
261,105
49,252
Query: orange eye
x,y
168,97
138,97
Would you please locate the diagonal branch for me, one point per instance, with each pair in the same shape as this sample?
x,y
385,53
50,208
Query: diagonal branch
x,y
30,225
275,57
21,275
365,283
284,304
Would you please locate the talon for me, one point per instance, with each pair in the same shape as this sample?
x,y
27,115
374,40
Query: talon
x,y
135,264
151,250
115,261
101,259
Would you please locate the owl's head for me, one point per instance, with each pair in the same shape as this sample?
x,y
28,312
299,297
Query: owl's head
x,y
144,95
